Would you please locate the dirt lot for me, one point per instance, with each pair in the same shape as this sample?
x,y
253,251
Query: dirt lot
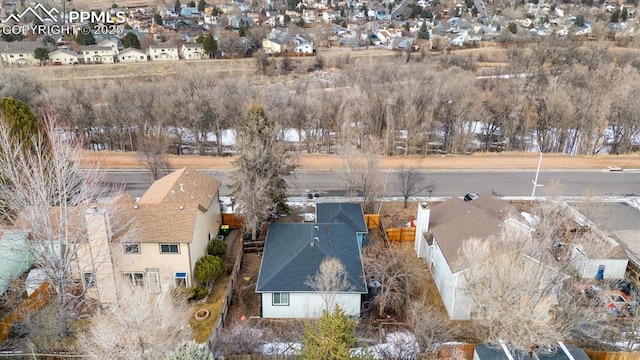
x,y
108,159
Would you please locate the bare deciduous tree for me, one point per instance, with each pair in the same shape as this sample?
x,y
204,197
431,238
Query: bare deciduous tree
x,y
430,327
142,326
394,277
330,280
152,154
411,183
47,192
236,339
262,170
519,292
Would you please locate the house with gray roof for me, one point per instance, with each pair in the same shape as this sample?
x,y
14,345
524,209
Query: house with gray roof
x,y
293,253
19,52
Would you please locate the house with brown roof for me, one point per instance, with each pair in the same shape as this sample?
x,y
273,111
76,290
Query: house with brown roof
x,y
440,233
172,224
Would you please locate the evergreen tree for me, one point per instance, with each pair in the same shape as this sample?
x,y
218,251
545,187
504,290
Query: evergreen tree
x,y
615,16
41,54
624,14
201,5
209,44
85,39
130,40
192,4
332,338
177,6
22,122
157,19
423,33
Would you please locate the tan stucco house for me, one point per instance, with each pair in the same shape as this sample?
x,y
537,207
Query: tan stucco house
x,y
172,224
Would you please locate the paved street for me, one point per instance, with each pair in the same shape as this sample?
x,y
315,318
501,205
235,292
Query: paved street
x,y
447,183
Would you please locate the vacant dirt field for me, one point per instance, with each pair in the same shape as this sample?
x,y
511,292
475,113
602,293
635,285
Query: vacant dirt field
x,y
504,161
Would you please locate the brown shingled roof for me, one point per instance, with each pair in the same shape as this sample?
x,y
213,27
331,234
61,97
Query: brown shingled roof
x,y
155,223
184,186
455,221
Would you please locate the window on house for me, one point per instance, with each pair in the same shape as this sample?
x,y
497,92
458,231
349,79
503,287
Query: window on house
x,y
136,278
281,299
132,248
169,249
89,279
181,279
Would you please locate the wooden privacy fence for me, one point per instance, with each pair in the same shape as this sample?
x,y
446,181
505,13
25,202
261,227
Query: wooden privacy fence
x,y
235,274
456,352
233,220
32,304
401,234
372,220
602,355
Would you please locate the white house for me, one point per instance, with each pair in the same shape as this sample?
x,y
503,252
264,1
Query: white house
x,y
94,54
163,53
302,45
293,253
19,52
441,231
64,57
112,43
192,52
132,55
330,16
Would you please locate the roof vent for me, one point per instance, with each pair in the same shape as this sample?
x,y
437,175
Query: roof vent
x,y
312,244
315,238
135,206
315,227
424,205
173,192
181,187
181,207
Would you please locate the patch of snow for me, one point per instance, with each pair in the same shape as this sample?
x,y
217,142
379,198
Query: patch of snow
x,y
309,217
398,345
280,348
301,204
530,218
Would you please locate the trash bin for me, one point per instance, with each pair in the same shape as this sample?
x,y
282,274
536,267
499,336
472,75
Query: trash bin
x,y
224,230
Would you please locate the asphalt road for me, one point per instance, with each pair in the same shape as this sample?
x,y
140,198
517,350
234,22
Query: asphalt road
x,y
446,183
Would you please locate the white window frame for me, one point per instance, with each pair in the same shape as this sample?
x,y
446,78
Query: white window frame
x,y
279,302
181,280
89,279
130,250
170,252
132,277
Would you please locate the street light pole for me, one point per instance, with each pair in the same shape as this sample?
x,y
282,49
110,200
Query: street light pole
x,y
535,182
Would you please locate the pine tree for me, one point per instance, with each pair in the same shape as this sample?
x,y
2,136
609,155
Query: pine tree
x,y
332,339
201,5
423,33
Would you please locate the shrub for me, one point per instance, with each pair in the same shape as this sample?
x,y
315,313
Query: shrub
x,y
191,351
208,269
199,292
217,248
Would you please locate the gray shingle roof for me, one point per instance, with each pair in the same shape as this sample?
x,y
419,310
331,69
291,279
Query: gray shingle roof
x,y
342,213
289,257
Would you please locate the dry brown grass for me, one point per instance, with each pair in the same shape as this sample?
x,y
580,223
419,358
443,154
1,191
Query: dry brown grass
x,y
495,161
213,303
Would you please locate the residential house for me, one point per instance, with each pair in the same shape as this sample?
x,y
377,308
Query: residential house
x,y
331,16
94,54
64,57
309,15
173,223
113,43
276,42
19,52
302,45
400,43
192,51
386,35
447,226
163,52
132,55
293,253
466,39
